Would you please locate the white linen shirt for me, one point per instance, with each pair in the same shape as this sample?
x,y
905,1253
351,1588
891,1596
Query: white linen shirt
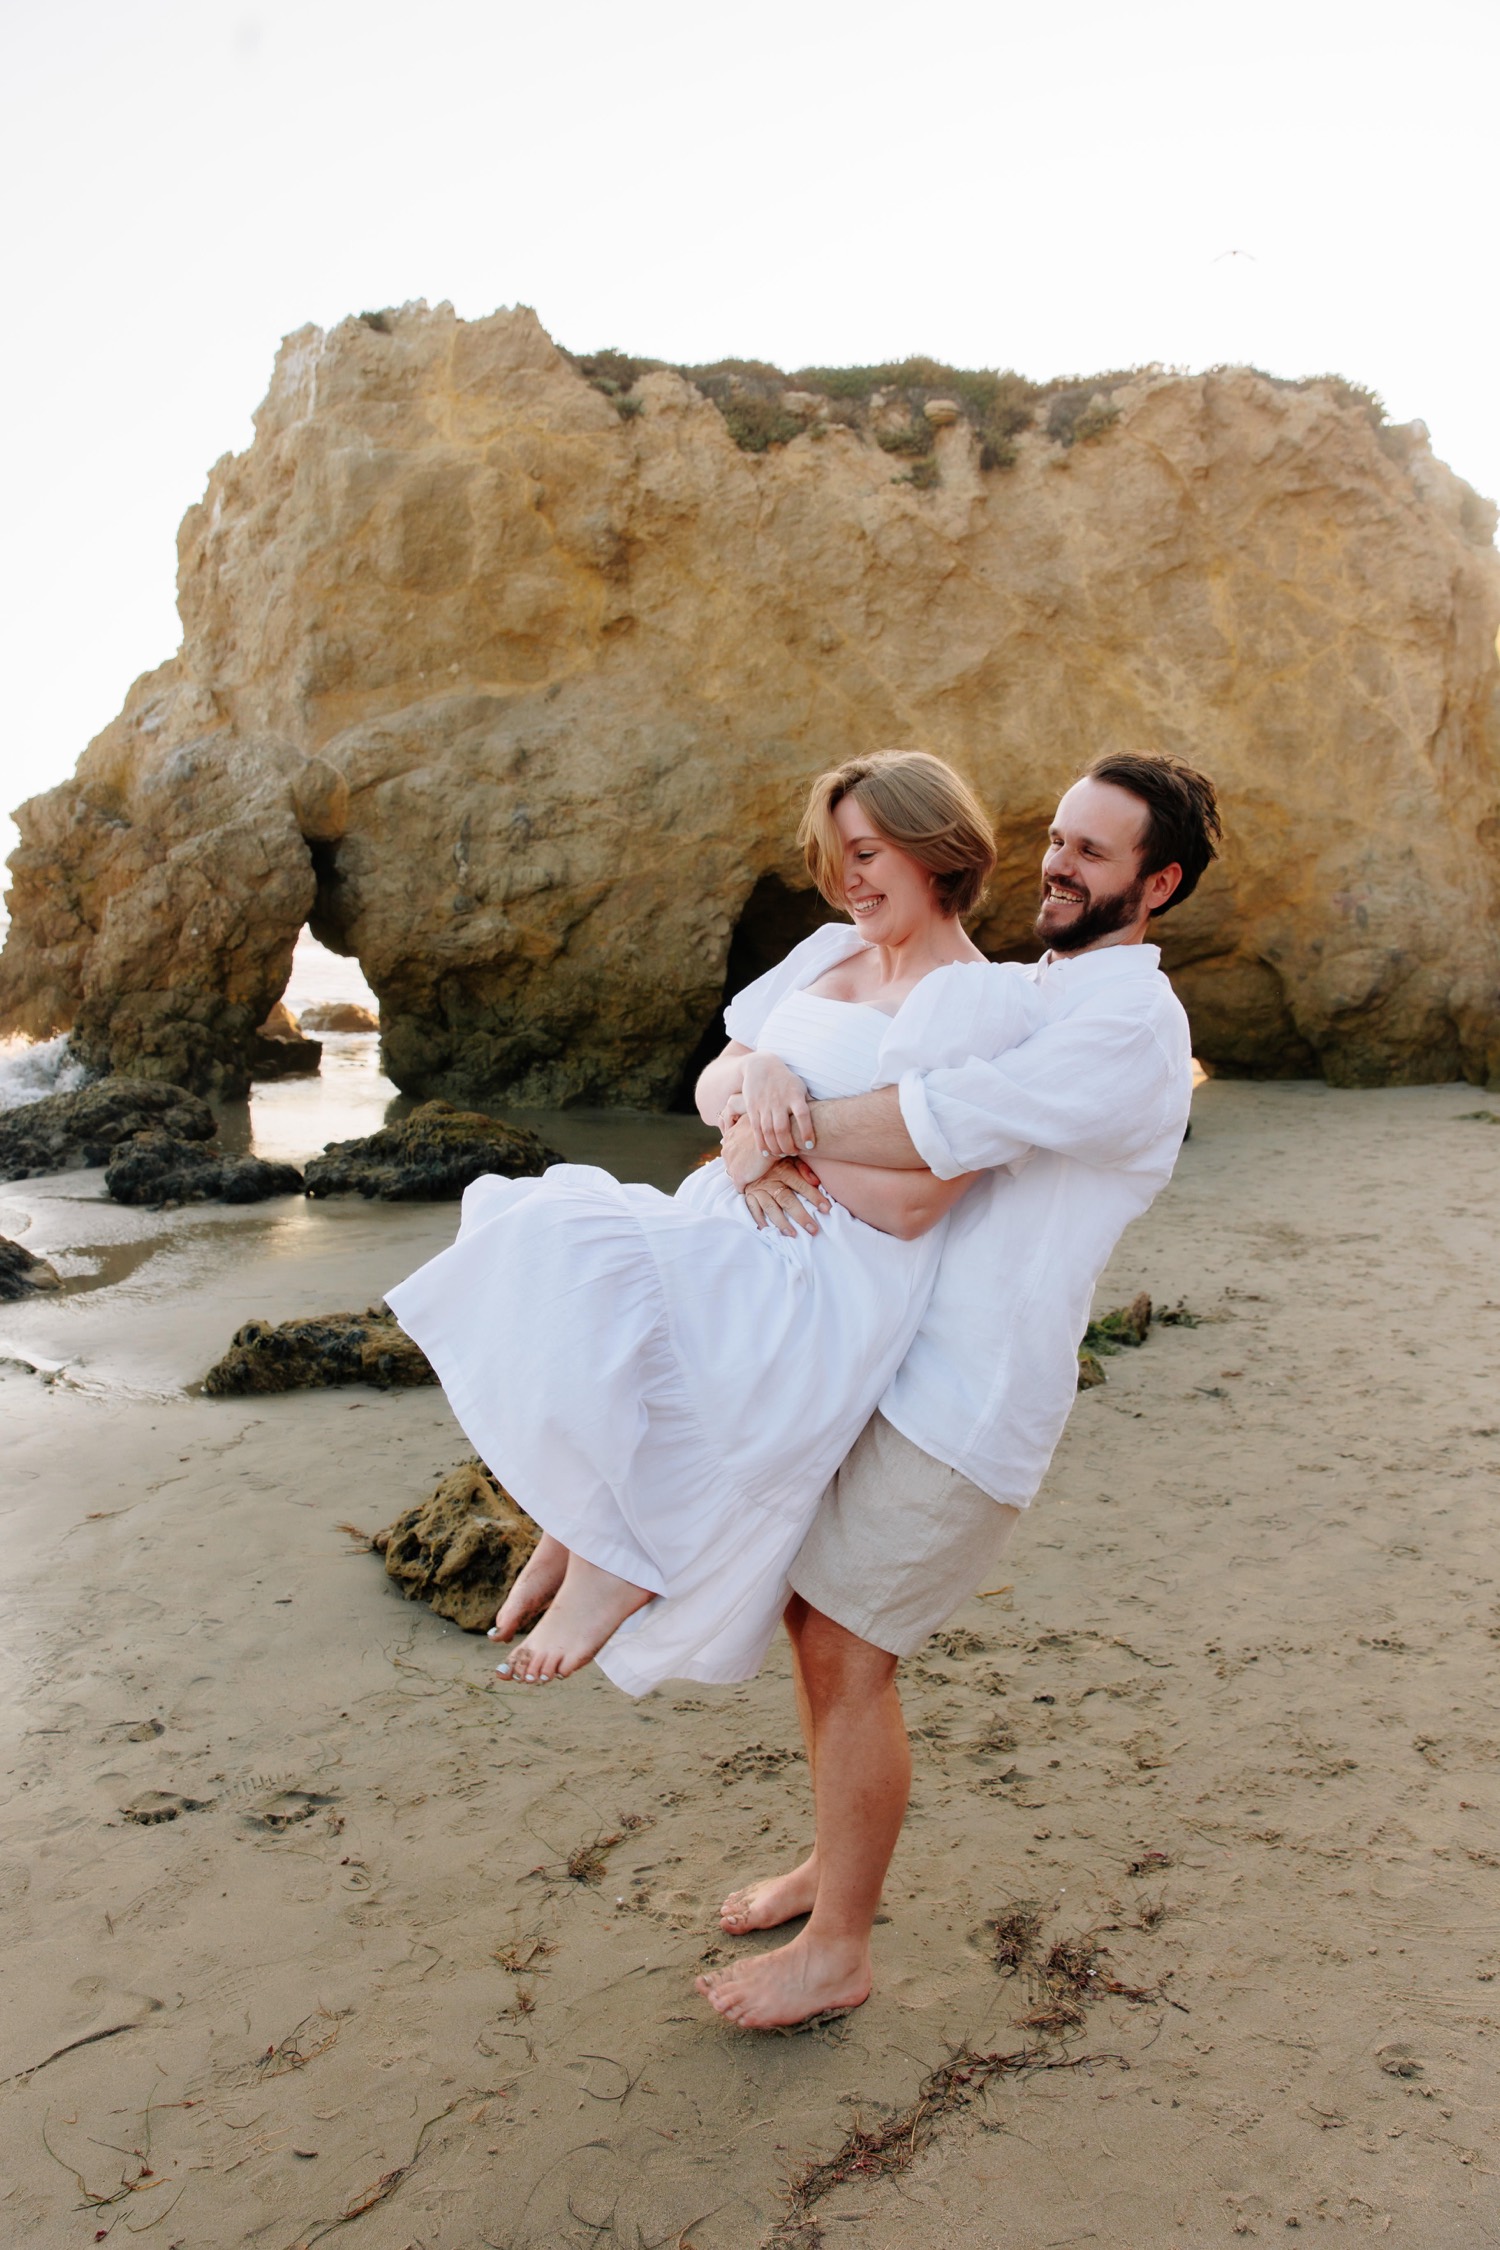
x,y
1078,1127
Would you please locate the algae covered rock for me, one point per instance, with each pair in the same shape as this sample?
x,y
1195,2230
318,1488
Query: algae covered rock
x,y
432,1155
318,1354
87,1125
157,1168
22,1274
462,1548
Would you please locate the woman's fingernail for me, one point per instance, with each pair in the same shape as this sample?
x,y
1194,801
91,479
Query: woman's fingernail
x,y
807,1144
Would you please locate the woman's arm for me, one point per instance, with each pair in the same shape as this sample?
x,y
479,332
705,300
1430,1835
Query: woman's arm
x,y
724,1076
750,1083
904,1204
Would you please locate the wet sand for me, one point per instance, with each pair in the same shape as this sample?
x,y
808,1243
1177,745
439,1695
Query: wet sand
x,y
417,1952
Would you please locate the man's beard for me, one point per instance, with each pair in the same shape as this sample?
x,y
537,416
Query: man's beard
x,y
1100,918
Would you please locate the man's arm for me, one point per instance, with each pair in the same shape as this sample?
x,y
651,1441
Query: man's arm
x,y
1096,1087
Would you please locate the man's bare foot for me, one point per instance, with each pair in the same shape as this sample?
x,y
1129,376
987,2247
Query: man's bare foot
x,y
590,1604
772,1901
533,1590
809,1977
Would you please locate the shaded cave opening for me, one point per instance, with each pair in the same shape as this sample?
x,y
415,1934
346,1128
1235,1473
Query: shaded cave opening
x,y
773,919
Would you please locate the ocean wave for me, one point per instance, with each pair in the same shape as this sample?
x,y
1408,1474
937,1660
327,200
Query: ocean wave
x,y
30,1069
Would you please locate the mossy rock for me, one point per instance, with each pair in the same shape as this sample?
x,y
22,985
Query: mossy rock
x,y
318,1354
84,1127
462,1548
21,1273
156,1168
433,1155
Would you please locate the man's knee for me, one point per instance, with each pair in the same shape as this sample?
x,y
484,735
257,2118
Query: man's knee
x,y
836,1662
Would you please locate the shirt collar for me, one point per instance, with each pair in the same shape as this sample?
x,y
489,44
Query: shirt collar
x,y
1104,962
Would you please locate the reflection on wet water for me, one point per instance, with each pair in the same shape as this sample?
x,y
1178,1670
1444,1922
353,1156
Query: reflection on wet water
x,y
149,1298
292,1119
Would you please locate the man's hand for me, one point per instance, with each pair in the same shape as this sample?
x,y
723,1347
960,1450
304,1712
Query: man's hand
x,y
744,1159
780,1198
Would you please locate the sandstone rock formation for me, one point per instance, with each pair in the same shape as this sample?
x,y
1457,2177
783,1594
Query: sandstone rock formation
x,y
87,1125
431,1156
313,1355
510,671
338,1015
462,1549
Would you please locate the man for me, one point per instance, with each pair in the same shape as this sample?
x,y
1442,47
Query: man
x,y
1076,1130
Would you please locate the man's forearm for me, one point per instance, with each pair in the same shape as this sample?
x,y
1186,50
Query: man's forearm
x,y
866,1129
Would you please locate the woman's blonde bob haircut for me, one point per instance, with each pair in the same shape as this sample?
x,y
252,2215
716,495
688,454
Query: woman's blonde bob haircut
x,y
920,805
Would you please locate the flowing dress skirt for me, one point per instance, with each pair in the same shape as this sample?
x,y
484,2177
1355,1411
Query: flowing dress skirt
x,y
666,1388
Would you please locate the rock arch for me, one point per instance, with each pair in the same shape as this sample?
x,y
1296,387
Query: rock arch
x,y
512,680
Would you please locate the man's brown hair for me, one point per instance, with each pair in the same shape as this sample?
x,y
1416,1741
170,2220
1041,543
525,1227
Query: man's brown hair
x,y
1182,814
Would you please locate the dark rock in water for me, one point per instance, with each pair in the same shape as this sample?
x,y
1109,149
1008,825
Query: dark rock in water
x,y
311,1355
462,1549
284,1058
279,1050
338,1015
21,1274
434,1154
83,1127
157,1168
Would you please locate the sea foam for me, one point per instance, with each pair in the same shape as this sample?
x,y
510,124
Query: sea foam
x,y
30,1069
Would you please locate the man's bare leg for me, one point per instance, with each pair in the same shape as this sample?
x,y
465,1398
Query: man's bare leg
x,y
532,1591
775,1899
861,1782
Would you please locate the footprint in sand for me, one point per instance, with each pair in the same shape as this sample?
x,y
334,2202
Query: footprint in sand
x,y
154,1805
283,1808
133,1730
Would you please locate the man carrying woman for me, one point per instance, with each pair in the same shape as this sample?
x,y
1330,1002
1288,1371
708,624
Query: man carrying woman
x,y
724,1408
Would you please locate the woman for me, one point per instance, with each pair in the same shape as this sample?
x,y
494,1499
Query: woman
x,y
664,1383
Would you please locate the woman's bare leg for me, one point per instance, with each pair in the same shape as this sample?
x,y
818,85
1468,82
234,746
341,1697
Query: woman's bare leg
x,y
589,1605
534,1588
774,1899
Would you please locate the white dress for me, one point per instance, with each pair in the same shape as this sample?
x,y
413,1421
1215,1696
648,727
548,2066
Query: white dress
x,y
668,1389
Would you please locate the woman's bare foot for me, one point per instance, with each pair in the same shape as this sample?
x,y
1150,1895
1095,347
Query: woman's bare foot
x,y
533,1590
809,1977
775,1899
590,1605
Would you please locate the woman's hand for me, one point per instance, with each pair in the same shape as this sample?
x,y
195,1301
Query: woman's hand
x,y
780,1198
775,1101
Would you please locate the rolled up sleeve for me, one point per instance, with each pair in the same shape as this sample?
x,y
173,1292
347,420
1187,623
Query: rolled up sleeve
x,y
1095,1088
927,1134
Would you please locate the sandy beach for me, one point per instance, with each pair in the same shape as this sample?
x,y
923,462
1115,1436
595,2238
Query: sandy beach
x,y
414,1954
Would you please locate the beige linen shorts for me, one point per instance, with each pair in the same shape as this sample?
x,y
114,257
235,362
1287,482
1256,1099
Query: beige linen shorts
x,y
899,1540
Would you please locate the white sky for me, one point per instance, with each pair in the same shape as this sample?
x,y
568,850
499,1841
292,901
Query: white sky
x,y
1051,187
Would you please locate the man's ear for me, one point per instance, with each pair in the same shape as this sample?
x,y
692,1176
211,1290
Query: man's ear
x,y
1161,885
